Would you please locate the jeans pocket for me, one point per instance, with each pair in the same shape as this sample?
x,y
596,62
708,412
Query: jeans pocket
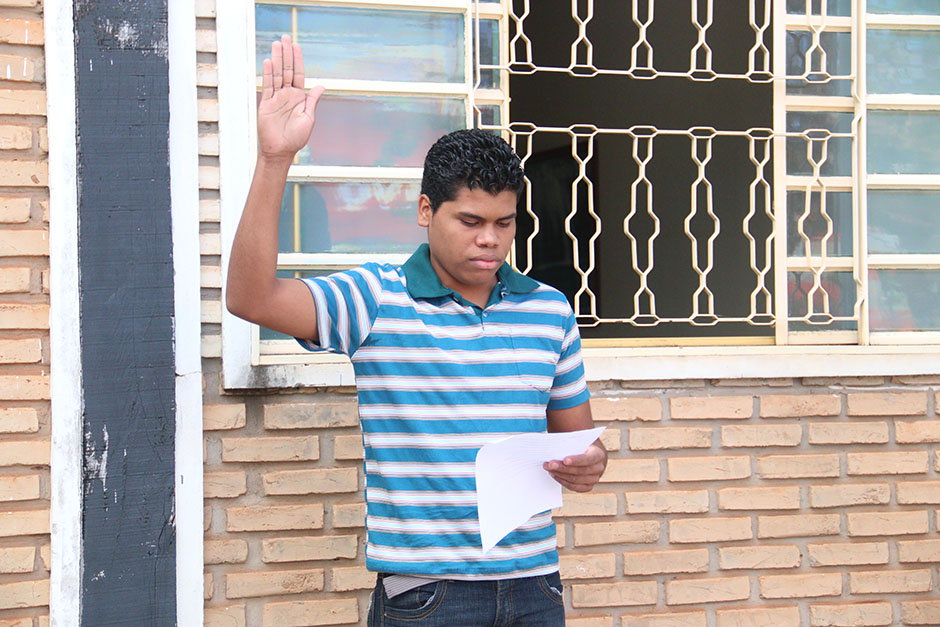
x,y
417,603
551,586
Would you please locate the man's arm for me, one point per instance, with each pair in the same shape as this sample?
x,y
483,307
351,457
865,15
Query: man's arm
x,y
579,473
285,121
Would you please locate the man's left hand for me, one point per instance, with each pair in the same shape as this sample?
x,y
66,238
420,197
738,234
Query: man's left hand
x,y
579,473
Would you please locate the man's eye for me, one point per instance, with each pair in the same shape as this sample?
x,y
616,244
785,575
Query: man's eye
x,y
505,224
468,223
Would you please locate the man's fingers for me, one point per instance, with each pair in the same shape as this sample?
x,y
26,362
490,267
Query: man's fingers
x,y
277,65
287,50
267,81
313,97
298,80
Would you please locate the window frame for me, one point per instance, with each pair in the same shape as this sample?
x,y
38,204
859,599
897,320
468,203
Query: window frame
x,y
245,367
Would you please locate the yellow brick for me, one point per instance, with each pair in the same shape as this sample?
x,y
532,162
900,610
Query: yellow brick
x,y
785,497
24,594
610,438
711,407
887,404
268,583
44,141
25,351
227,616
621,593
209,243
918,492
325,612
14,209
211,347
14,137
620,532
799,405
24,388
31,243
210,312
14,280
22,174
587,566
631,471
759,557
285,449
883,581
708,468
590,504
798,466
24,523
208,586
660,438
311,415
210,276
799,586
347,515
347,447
848,433
207,75
667,502
219,417
887,523
308,548
24,316
630,408
658,562
917,432
209,179
205,8
850,614
274,517
17,559
848,554
223,485
715,529
229,551
210,211
19,488
760,617
19,420
894,463
19,68
45,556
313,481
798,525
918,551
18,622
24,453
734,436
920,612
672,619
21,101
849,494
352,578
689,591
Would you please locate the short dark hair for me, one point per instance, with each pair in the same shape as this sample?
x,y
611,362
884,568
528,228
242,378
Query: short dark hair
x,y
470,158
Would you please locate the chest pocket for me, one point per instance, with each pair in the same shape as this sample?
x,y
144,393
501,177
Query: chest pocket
x,y
534,359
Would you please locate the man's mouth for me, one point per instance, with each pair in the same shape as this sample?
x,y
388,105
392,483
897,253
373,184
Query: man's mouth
x,y
485,263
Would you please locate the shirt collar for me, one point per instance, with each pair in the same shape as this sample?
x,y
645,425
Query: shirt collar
x,y
423,282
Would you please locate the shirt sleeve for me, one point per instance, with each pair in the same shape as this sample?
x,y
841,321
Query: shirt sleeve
x,y
569,389
347,304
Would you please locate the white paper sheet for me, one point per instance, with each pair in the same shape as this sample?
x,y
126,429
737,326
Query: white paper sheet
x,y
512,486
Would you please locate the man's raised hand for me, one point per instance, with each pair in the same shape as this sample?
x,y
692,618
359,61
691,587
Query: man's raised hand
x,y
287,113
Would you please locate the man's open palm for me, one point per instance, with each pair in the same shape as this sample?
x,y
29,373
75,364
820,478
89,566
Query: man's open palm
x,y
286,114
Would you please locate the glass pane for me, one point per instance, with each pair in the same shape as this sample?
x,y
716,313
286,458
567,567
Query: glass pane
x,y
904,300
808,226
903,142
488,115
904,7
368,44
836,62
352,217
833,7
379,131
834,153
903,62
903,221
836,289
489,53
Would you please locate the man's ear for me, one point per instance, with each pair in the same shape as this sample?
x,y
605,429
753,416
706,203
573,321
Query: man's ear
x,y
424,210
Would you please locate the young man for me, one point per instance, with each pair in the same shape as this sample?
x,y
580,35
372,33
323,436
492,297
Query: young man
x,y
451,350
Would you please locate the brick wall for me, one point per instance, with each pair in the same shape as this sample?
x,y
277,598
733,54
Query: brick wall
x,y
24,320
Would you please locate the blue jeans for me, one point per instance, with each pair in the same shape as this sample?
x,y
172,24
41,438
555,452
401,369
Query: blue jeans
x,y
525,602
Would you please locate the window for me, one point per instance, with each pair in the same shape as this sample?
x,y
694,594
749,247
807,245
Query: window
x,y
722,175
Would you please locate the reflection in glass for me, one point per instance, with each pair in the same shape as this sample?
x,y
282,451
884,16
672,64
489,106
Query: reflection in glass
x,y
903,221
833,7
488,115
838,62
350,217
903,142
904,7
489,54
834,153
904,300
836,289
903,62
379,130
811,228
368,44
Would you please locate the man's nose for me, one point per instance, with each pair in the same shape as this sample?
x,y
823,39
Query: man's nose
x,y
487,236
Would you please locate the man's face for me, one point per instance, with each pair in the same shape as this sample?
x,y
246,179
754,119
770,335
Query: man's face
x,y
469,238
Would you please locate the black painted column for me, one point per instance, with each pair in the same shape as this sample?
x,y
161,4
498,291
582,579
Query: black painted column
x,y
126,308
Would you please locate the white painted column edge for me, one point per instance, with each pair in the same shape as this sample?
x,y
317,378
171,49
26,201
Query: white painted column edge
x,y
184,199
64,331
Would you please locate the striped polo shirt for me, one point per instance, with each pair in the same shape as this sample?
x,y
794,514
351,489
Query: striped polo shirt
x,y
437,378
